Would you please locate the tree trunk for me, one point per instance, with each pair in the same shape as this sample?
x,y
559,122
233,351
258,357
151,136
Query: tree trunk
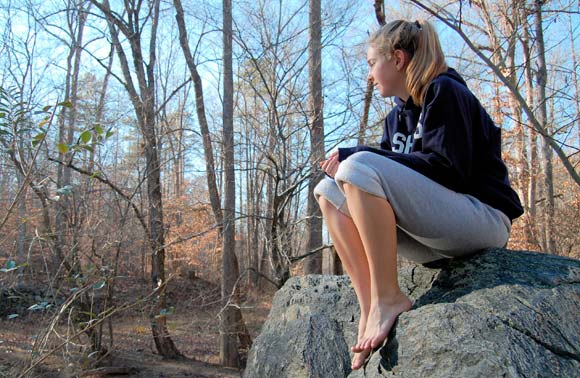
x,y
364,121
531,222
21,226
200,108
228,344
67,124
379,6
145,107
512,23
335,264
575,77
542,75
98,117
313,264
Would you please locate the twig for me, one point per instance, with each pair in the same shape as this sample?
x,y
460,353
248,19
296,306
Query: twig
x,y
105,181
96,322
27,175
314,251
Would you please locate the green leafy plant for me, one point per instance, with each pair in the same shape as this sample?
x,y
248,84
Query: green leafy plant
x,y
11,266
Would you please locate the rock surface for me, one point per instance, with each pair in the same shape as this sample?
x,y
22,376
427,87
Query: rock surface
x,y
498,313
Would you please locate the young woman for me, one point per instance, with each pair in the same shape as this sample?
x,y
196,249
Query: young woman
x,y
436,188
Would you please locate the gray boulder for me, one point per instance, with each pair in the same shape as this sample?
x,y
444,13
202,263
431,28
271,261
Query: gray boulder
x,y
497,313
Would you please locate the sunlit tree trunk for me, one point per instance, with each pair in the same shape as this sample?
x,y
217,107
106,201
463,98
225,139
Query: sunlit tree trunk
x,y
143,99
201,116
313,264
542,74
228,340
511,23
77,15
379,6
575,77
533,236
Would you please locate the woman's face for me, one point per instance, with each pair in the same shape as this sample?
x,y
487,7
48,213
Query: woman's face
x,y
386,73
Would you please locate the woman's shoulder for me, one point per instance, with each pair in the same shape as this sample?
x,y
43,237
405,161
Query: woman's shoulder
x,y
448,84
449,78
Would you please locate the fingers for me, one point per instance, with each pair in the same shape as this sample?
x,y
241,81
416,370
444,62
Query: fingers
x,y
333,154
330,165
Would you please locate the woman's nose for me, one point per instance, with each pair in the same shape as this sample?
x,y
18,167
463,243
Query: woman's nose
x,y
369,76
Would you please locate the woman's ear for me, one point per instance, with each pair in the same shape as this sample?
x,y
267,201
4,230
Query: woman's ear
x,y
401,59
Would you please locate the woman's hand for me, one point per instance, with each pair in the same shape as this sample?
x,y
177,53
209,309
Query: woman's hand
x,y
330,165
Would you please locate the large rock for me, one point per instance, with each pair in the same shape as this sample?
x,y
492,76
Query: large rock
x,y
498,313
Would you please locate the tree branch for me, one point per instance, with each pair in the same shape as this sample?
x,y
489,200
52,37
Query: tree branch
x,y
114,187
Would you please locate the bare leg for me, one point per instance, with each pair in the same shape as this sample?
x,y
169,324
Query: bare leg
x,y
375,221
352,255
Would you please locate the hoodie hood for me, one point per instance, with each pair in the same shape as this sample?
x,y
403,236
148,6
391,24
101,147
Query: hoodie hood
x,y
450,73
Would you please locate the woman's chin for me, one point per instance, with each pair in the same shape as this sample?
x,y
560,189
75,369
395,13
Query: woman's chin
x,y
382,92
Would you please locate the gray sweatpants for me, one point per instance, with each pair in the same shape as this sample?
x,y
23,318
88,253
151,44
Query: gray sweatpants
x,y
433,222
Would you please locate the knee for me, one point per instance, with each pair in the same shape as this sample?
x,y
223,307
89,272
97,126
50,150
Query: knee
x,y
325,205
359,169
354,161
350,190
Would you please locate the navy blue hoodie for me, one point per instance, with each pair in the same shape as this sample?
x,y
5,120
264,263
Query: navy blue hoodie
x,y
450,139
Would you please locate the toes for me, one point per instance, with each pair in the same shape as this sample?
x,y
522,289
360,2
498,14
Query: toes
x,y
377,342
369,345
359,347
359,360
364,344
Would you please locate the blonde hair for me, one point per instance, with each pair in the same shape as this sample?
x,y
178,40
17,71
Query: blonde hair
x,y
420,41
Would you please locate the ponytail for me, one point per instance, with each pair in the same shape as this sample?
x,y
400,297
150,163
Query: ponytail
x,y
420,41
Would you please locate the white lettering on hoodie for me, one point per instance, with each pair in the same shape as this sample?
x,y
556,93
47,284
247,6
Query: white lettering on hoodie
x,y
404,143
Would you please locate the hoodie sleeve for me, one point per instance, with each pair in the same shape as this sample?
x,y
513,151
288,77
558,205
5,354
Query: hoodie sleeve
x,y
386,139
446,151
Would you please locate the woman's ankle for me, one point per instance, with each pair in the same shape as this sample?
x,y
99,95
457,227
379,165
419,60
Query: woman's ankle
x,y
391,298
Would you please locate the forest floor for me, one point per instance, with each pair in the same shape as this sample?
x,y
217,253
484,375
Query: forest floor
x,y
193,326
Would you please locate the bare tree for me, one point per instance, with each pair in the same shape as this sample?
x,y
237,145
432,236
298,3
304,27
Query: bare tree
x,y
142,97
228,340
379,6
575,78
201,116
76,17
542,78
271,82
532,167
232,313
313,264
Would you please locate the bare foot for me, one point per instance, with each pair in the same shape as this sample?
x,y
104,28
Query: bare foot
x,y
362,325
359,358
381,318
